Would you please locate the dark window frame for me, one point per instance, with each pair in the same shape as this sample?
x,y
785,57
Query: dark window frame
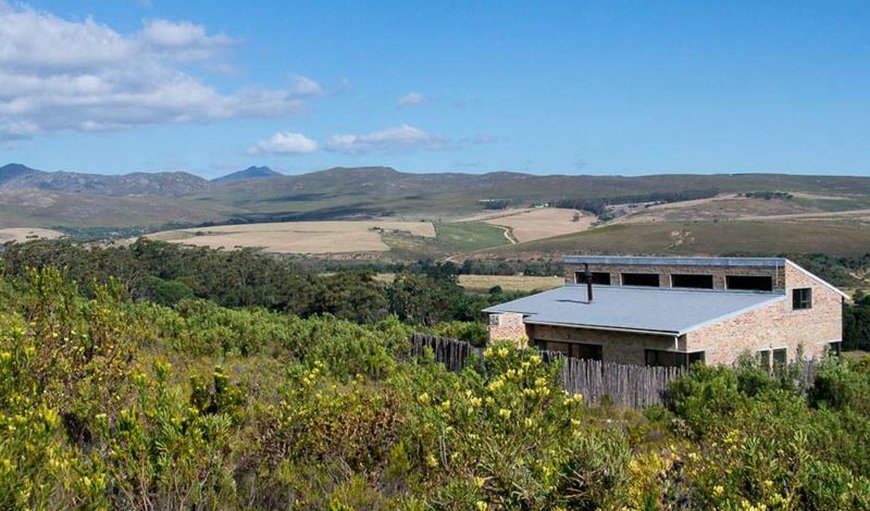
x,y
780,356
772,357
802,298
665,358
573,349
639,279
600,278
687,279
764,357
745,282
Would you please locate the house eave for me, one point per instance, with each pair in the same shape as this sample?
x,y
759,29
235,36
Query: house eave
x,y
607,328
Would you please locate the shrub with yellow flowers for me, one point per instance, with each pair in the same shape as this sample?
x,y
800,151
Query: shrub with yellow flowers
x,y
505,435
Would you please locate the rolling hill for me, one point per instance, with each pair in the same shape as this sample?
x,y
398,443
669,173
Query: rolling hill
x,y
646,209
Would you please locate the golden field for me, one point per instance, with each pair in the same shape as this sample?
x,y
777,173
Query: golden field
x,y
329,237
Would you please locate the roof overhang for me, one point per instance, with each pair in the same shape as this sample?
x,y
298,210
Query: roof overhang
x,y
532,321
677,261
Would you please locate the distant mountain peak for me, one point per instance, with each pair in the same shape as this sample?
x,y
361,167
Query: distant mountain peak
x,y
13,170
252,172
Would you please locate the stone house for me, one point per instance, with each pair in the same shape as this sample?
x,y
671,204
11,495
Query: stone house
x,y
675,311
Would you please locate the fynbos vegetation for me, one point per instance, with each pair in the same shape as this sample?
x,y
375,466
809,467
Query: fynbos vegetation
x,y
107,401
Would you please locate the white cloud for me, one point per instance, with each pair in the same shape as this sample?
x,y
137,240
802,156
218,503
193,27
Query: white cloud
x,y
410,99
284,143
183,40
307,87
401,138
60,75
181,34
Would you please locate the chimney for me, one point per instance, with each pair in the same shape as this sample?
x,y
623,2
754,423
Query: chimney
x,y
588,276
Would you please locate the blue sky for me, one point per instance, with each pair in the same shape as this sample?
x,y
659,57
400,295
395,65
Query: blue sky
x,y
544,87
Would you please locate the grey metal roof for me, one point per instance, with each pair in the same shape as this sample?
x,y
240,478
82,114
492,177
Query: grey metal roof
x,y
646,310
676,261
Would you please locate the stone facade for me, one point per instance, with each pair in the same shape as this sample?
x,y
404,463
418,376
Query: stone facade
x,y
622,347
507,326
774,326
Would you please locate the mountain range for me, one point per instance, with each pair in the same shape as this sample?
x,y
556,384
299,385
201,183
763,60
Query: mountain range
x,y
75,201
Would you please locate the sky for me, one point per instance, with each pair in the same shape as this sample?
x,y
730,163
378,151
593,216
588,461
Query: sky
x,y
573,87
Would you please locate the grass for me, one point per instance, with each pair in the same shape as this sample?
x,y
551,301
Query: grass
x,y
524,283
483,283
468,236
24,234
328,237
835,205
848,237
450,238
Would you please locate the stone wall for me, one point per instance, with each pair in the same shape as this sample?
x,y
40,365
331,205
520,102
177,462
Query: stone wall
x,y
621,347
776,325
506,326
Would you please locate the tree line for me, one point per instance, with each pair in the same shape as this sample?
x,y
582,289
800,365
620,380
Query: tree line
x,y
425,293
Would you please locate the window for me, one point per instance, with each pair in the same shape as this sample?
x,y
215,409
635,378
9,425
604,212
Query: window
x,y
598,277
778,356
587,351
494,319
673,358
749,282
693,281
696,356
764,358
573,349
640,279
802,298
835,348
559,347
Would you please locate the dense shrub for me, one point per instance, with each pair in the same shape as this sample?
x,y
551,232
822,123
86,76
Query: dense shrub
x,y
107,402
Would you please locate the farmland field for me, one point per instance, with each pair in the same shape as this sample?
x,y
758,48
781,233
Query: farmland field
x,y
468,236
483,283
525,283
300,237
19,234
538,223
848,236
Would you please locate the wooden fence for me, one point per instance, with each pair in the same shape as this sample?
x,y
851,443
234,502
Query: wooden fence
x,y
624,385
621,384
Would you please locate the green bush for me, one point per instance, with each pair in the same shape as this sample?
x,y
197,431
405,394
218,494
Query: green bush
x,y
265,410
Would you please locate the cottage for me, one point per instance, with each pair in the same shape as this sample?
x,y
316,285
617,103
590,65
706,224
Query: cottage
x,y
675,311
